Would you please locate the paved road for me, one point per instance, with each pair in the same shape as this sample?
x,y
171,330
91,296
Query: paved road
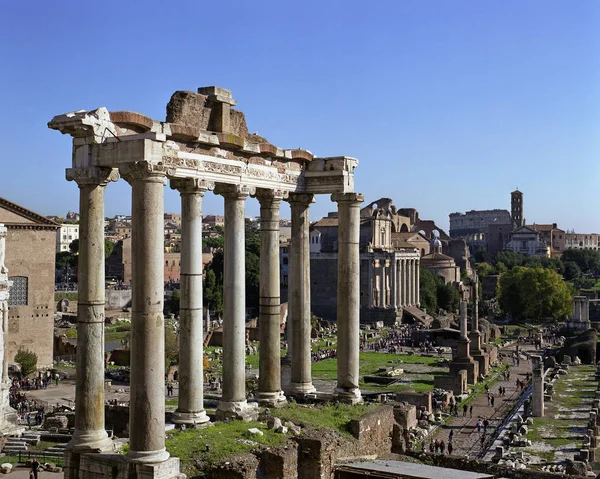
x,y
466,440
23,473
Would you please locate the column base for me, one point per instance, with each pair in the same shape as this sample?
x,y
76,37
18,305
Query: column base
x,y
272,399
147,457
301,389
90,441
196,418
239,410
100,466
348,396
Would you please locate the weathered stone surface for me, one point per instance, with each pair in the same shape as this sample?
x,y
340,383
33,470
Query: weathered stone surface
x,y
273,422
60,422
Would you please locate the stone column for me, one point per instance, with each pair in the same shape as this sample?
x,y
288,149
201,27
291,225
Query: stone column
x,y
233,400
418,282
401,281
537,383
190,405
5,286
348,296
147,390
475,335
409,282
90,434
393,279
371,282
269,379
382,285
299,295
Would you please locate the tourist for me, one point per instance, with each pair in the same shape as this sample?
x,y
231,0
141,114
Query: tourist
x,y
471,410
465,407
492,400
450,448
431,446
442,446
35,467
479,424
450,436
437,445
486,423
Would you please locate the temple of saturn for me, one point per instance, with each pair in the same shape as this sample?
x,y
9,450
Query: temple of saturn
x,y
203,145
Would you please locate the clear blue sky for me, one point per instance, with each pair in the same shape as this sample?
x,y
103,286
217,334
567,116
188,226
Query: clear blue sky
x,y
448,105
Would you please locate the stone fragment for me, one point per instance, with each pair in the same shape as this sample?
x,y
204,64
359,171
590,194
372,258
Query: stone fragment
x,y
273,423
281,430
255,431
6,467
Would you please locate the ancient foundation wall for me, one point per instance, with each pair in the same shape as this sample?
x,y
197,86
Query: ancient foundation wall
x,y
323,288
418,400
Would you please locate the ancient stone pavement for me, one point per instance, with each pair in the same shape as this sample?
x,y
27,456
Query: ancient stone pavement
x,y
466,440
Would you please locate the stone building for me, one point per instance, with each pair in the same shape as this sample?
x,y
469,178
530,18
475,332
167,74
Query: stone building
x,y
553,236
389,273
30,255
441,264
498,237
202,146
474,225
582,240
516,208
411,240
526,240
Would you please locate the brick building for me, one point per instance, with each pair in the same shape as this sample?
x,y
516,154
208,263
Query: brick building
x,y
30,255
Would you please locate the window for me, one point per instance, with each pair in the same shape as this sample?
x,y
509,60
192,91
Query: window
x,y
18,291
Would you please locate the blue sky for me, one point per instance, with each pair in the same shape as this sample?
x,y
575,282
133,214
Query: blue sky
x,y
448,105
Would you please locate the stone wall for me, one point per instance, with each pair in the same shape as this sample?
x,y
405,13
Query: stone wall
x,y
31,253
373,429
418,400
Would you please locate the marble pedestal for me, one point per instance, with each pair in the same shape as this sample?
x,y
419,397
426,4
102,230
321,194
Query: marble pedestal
x,y
116,466
483,360
237,410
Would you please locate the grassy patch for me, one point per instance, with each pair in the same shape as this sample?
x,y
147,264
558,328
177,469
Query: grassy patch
x,y
43,445
224,439
333,416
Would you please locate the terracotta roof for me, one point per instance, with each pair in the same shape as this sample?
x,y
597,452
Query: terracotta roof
x,y
545,227
436,257
326,222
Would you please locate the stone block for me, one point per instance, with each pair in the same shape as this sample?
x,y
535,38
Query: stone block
x,y
273,423
254,431
281,462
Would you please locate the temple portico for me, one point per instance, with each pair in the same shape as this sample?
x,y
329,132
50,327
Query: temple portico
x,y
203,146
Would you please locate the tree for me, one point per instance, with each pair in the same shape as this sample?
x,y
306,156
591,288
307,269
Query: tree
x,y
27,360
572,271
534,293
74,246
448,297
588,260
109,246
428,291
484,269
171,342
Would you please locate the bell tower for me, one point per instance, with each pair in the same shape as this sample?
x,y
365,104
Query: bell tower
x,y
516,208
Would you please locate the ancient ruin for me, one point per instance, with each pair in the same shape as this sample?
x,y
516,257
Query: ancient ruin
x,y
203,146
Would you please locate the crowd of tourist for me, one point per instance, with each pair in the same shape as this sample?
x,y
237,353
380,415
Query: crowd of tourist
x,y
322,354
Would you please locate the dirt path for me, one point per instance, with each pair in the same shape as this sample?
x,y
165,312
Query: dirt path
x,y
467,440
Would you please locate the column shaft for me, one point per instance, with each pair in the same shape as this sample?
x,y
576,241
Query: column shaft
x,y
409,280
348,296
90,434
269,379
190,406
394,303
233,399
418,282
371,285
299,295
147,391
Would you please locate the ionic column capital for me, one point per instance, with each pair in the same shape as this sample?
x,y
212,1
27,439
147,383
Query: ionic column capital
x,y
265,196
145,171
348,197
190,186
234,191
93,175
301,198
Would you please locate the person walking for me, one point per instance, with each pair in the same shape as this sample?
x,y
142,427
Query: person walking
x,y
471,410
35,467
465,408
450,436
450,448
479,424
442,447
492,400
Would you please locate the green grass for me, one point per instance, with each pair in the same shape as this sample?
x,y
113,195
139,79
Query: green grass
x,y
70,295
224,439
43,445
333,416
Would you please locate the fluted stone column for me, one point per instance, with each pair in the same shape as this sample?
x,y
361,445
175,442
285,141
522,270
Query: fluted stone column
x,y
393,279
371,264
418,283
409,280
90,434
413,280
348,296
299,295
233,400
475,335
269,378
383,284
147,390
190,405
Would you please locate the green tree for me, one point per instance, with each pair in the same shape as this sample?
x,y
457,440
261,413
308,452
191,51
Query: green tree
x,y
534,293
485,269
171,342
572,271
109,247
588,260
217,242
74,246
27,360
212,292
428,291
448,297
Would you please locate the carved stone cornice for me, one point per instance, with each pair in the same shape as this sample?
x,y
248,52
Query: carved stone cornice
x,y
234,191
145,171
348,197
190,186
92,176
301,198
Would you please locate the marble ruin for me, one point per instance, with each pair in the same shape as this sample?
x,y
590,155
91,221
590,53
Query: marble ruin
x,y
580,318
203,146
476,348
8,416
